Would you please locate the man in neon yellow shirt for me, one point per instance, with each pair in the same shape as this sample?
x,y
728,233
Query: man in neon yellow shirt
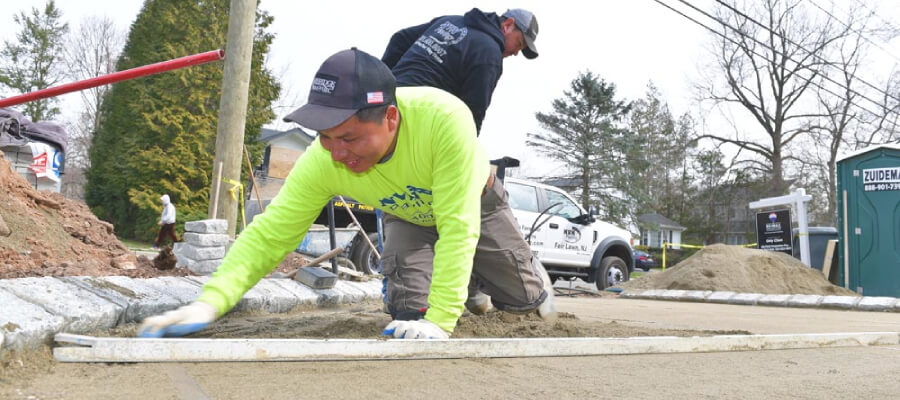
x,y
413,153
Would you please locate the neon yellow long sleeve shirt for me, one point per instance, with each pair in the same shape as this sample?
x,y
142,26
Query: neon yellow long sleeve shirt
x,y
435,178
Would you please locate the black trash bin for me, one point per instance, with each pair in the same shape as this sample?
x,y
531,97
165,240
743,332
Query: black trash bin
x,y
818,242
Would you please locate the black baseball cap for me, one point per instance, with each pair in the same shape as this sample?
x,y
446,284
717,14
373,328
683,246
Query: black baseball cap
x,y
527,23
347,82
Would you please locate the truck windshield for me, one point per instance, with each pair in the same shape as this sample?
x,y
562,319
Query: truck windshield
x,y
567,209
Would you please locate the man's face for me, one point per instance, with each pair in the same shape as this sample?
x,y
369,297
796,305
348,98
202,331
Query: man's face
x,y
360,145
514,40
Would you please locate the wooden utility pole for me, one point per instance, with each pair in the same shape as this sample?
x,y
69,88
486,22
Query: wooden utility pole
x,y
233,108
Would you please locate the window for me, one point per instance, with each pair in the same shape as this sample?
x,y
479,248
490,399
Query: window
x,y
566,208
522,197
737,239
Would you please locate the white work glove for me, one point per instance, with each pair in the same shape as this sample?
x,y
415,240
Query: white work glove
x,y
419,329
179,322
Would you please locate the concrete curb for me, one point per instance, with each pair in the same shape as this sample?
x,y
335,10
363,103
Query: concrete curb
x,y
32,310
857,303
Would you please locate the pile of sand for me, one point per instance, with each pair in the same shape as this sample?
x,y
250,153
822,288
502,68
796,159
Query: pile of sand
x,y
730,268
45,234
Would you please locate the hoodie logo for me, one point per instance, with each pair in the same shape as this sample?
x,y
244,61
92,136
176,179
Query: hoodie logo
x,y
450,34
435,43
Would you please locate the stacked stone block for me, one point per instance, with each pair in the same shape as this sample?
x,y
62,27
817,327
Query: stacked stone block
x,y
204,245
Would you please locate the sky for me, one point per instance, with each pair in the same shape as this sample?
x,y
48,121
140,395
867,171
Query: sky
x,y
628,43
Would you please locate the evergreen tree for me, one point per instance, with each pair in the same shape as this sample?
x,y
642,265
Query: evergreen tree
x,y
158,133
711,186
652,122
719,200
658,163
33,62
584,132
681,152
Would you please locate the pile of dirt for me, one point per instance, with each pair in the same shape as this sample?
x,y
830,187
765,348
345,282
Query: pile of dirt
x,y
45,234
291,263
731,268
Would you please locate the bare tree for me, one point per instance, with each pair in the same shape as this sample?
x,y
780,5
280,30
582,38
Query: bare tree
x,y
290,98
769,56
851,117
886,125
91,51
829,133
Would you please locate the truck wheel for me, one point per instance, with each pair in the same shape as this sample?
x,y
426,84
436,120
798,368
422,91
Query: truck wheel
x,y
613,271
363,256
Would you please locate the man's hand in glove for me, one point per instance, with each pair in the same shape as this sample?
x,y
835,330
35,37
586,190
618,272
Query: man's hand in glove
x,y
418,329
182,321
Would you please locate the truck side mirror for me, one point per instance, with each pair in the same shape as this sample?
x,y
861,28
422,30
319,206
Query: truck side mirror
x,y
502,164
583,219
592,210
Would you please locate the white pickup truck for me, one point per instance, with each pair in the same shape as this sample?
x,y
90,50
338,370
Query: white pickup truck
x,y
570,242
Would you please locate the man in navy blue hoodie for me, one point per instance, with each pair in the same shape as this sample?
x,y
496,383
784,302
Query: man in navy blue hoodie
x,y
462,54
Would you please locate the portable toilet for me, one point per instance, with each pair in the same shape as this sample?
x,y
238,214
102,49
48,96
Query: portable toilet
x,y
868,191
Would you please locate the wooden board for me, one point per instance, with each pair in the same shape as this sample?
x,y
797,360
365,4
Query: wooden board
x,y
829,265
281,161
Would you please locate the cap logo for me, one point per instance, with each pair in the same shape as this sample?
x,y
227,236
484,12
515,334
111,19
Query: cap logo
x,y
324,84
375,97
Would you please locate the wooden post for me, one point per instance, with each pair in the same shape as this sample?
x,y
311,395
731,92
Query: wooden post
x,y
233,104
828,262
846,245
215,196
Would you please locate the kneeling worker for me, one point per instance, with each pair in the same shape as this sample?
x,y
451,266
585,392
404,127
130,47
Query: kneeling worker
x,y
413,153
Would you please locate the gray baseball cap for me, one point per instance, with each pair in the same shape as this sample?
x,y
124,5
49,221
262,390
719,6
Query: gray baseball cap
x,y
527,23
347,82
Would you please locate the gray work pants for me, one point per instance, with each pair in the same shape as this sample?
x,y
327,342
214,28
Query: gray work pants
x,y
502,267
